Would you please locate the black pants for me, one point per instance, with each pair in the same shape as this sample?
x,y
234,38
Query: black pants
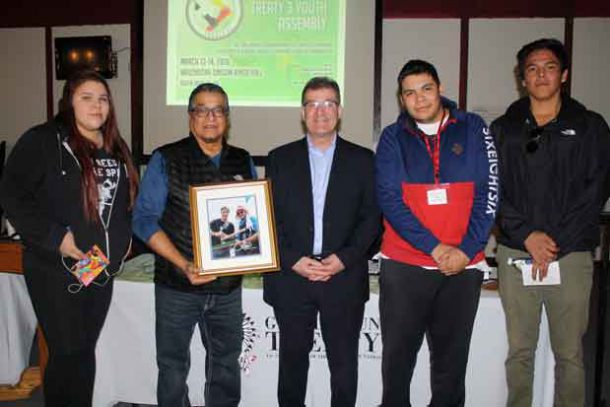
x,y
414,301
71,324
340,326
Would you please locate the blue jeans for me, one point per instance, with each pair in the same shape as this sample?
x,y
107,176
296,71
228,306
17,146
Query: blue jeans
x,y
219,317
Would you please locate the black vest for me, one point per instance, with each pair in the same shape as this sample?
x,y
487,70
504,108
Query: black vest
x,y
186,164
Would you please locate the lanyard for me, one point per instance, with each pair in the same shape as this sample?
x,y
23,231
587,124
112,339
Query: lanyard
x,y
435,155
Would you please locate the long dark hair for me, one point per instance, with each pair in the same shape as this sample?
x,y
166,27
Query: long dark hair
x,y
84,149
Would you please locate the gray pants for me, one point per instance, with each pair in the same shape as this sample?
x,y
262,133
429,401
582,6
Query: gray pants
x,y
567,309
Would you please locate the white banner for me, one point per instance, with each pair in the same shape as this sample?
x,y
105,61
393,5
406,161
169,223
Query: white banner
x,y
127,371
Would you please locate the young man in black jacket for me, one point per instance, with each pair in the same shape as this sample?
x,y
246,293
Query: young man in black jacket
x,y
554,174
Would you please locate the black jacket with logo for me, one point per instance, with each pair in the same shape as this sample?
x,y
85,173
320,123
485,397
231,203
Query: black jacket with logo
x,y
561,184
42,195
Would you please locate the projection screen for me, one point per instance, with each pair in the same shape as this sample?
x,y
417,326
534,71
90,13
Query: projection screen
x,y
262,52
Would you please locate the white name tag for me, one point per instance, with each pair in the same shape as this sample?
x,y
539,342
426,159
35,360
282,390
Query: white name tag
x,y
553,277
437,196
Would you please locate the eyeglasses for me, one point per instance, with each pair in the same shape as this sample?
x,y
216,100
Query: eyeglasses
x,y
320,104
204,112
534,139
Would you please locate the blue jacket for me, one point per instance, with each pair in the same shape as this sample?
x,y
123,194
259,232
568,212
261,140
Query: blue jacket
x,y
467,155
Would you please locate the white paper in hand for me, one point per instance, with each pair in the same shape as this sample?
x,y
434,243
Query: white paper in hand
x,y
553,276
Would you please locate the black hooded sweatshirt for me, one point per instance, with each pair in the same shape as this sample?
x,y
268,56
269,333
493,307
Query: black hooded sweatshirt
x,y
42,195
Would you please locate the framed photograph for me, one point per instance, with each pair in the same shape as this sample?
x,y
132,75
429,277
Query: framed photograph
x,y
234,228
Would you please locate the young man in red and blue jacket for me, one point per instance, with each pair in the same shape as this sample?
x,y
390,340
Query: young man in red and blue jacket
x,y
437,186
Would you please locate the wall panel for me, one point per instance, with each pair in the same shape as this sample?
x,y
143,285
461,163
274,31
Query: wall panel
x,y
493,46
434,40
22,80
590,64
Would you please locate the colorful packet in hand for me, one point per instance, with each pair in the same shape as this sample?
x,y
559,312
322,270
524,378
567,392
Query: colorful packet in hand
x,y
86,270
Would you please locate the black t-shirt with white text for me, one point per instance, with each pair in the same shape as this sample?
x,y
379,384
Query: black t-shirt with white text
x,y
106,170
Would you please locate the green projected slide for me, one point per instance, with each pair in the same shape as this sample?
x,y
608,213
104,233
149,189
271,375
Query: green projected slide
x,y
260,51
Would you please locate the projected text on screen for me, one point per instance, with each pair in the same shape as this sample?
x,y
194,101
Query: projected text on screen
x,y
260,51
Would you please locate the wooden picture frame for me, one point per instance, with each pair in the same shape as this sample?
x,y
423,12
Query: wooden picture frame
x,y
233,228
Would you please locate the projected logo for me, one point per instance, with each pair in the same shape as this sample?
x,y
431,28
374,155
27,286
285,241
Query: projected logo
x,y
214,19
